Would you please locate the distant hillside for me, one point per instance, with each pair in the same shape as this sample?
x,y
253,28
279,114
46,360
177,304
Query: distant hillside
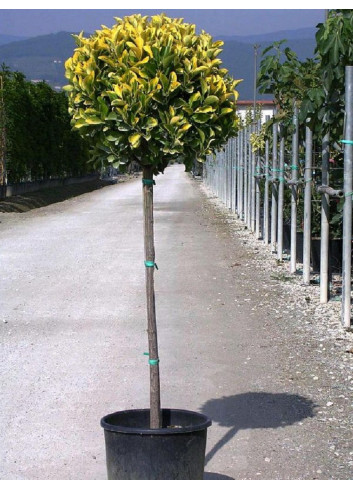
x,y
5,39
43,57
304,33
238,58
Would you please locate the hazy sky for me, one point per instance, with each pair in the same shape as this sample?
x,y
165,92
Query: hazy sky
x,y
34,22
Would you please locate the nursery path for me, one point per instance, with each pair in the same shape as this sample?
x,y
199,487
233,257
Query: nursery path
x,y
72,332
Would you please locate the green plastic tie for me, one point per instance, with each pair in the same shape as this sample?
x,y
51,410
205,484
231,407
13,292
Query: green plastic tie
x,y
147,181
294,167
346,141
152,361
348,194
281,179
308,180
150,264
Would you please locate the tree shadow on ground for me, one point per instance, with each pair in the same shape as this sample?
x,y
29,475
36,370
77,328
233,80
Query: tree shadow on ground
x,y
252,410
213,476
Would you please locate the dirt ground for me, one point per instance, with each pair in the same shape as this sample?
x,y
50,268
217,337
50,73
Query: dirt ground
x,y
318,351
241,339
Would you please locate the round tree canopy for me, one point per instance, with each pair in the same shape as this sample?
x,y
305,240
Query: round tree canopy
x,y
149,89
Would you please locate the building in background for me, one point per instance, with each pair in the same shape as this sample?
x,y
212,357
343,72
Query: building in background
x,y
267,108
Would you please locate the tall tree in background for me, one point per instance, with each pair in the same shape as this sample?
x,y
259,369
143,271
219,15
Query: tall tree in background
x,y
2,134
36,138
317,83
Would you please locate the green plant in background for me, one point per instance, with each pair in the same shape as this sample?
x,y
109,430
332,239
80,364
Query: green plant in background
x,y
39,141
286,77
316,84
151,90
318,87
257,140
324,103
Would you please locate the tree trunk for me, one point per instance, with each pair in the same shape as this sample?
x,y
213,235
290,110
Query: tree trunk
x,y
155,403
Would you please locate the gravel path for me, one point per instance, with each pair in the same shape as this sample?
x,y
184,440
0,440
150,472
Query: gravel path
x,y
240,339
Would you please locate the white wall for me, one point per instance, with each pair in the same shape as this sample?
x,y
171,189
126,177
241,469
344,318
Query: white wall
x,y
264,113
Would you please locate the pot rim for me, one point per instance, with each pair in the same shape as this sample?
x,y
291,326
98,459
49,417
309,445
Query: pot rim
x,y
199,426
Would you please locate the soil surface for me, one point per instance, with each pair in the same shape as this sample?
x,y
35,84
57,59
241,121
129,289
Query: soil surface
x,y
240,339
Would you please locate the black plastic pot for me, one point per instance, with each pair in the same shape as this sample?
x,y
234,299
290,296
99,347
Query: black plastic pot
x,y
335,254
300,242
136,452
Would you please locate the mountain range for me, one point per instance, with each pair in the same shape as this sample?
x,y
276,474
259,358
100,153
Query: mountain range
x,y
5,39
43,57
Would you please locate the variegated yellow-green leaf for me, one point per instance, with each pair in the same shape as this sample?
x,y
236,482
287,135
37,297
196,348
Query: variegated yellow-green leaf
x,y
118,91
174,120
204,110
211,100
148,50
201,118
150,80
111,138
108,60
134,140
151,122
194,97
226,110
80,124
93,120
199,69
201,134
185,127
174,85
112,116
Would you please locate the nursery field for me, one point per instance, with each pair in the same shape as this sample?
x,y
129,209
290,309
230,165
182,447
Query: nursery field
x,y
240,339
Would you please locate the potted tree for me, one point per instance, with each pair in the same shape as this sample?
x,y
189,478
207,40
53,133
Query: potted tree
x,y
150,90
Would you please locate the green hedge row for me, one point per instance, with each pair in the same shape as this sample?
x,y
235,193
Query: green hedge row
x,y
39,141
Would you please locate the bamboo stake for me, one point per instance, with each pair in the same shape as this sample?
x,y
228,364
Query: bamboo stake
x,y
155,404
